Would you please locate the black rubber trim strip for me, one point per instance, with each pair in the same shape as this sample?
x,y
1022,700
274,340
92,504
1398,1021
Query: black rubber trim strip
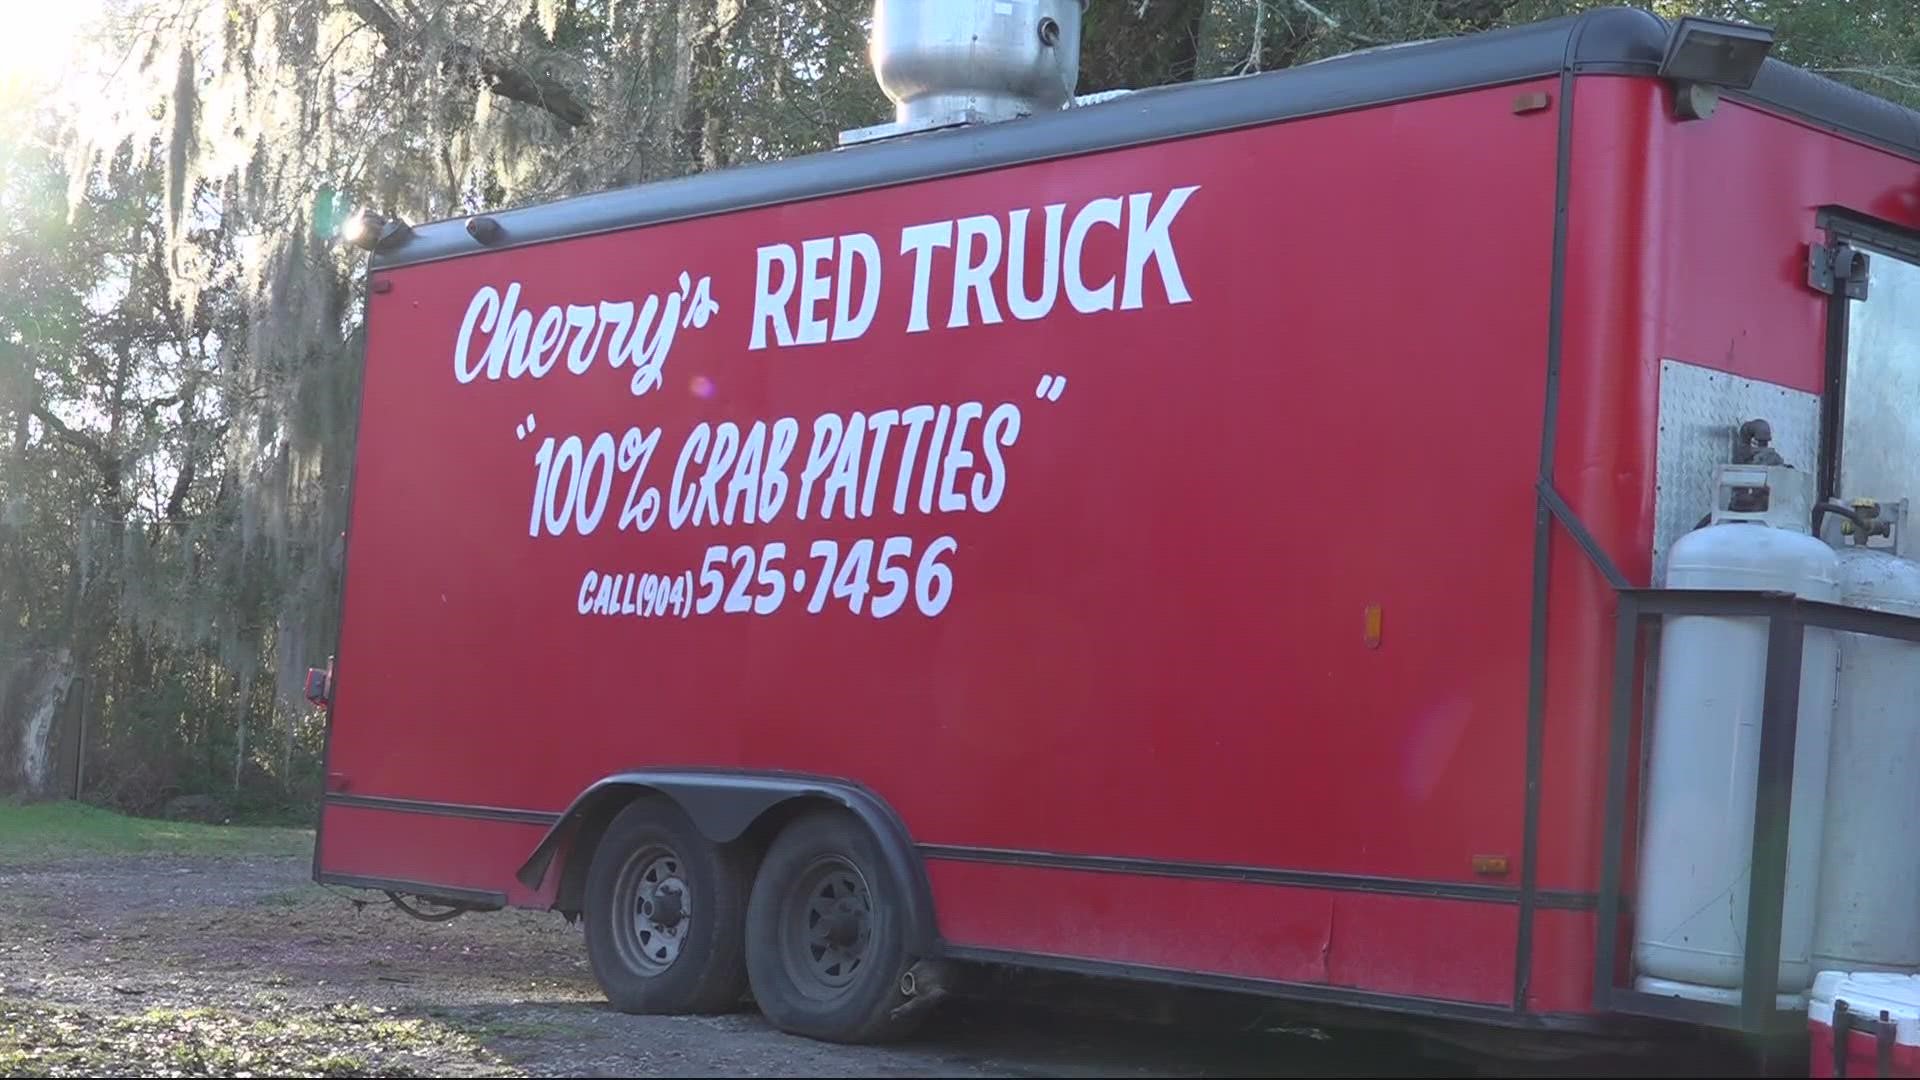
x,y
1833,106
480,899
1565,900
443,809
1257,875
1320,993
1612,41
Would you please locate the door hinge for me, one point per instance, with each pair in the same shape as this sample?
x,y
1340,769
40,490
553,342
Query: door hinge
x,y
1838,269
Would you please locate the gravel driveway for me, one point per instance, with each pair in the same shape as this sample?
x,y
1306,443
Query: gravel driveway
x,y
237,966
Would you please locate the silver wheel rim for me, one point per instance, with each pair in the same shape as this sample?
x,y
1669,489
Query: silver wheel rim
x,y
826,936
653,905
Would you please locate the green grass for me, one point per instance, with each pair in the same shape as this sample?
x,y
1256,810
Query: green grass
x,y
51,830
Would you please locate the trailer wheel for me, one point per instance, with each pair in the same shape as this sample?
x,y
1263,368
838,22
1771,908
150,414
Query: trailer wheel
x,y
664,914
826,944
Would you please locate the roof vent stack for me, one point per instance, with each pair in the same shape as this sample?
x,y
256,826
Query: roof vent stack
x,y
946,63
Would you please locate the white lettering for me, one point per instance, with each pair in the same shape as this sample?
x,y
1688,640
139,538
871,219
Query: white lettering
x,y
915,418
827,430
486,298
921,240
1002,428
879,424
1022,306
646,355
933,458
848,326
583,318
682,497
546,335
773,484
1153,242
509,335
975,278
845,478
726,443
814,287
745,486
770,307
522,347
1087,300
958,457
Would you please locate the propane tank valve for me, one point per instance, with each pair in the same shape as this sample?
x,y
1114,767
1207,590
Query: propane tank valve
x,y
1756,445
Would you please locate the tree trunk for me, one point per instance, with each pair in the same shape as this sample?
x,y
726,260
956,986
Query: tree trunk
x,y
33,690
240,732
703,126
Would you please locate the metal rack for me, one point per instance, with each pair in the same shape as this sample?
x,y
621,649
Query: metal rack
x,y
1788,618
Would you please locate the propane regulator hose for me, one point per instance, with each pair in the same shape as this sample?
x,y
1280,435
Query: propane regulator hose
x,y
1832,507
1828,507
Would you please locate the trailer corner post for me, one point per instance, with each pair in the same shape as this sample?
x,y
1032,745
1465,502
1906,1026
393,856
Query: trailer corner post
x,y
1613,839
1772,809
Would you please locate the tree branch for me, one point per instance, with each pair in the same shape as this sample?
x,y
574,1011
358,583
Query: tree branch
x,y
183,482
177,499
1252,62
1904,78
500,74
148,408
1334,24
509,80
85,443
110,465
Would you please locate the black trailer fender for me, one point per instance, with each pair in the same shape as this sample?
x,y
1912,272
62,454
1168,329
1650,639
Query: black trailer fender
x,y
725,806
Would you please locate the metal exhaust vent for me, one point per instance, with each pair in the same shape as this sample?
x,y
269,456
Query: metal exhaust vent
x,y
945,63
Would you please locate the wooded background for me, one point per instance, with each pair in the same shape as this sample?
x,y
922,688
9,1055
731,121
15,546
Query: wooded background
x,y
179,344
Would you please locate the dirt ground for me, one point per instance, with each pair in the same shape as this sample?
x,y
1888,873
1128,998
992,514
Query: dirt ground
x,y
241,966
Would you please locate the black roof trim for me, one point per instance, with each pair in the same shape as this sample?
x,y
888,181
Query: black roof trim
x,y
1604,41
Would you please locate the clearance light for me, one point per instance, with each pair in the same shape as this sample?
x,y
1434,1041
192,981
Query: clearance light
x,y
371,232
1704,55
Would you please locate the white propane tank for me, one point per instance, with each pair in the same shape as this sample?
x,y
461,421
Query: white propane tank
x,y
1869,912
1690,914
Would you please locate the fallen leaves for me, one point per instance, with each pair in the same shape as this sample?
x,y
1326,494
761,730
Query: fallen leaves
x,y
270,1039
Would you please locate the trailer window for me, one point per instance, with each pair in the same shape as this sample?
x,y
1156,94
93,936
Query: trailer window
x,y
1879,452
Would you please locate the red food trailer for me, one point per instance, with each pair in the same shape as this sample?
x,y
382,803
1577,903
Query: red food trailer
x,y
1218,534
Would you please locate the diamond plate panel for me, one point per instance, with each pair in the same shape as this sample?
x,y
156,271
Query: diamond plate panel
x,y
1701,411
1880,432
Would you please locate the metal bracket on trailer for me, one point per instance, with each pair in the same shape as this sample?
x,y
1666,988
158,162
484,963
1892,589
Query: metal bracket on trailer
x,y
1838,269
1788,617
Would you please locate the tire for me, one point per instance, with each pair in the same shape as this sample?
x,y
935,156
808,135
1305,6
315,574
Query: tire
x,y
665,914
826,939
